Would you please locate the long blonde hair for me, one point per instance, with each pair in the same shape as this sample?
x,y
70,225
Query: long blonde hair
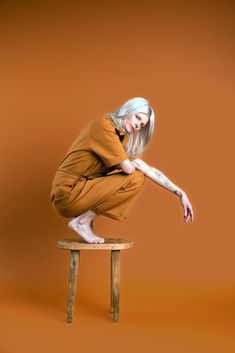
x,y
139,140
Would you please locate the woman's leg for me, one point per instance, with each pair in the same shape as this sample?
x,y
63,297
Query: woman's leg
x,y
111,196
117,204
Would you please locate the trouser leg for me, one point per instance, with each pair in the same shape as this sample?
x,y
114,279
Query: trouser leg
x,y
117,205
111,195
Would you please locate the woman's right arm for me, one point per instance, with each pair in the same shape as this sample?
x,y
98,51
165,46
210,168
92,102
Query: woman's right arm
x,y
158,177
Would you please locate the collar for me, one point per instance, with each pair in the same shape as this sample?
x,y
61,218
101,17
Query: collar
x,y
120,132
123,137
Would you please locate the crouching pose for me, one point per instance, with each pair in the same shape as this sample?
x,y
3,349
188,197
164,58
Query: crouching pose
x,y
103,169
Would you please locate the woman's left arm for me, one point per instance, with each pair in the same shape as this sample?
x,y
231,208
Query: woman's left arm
x,y
158,177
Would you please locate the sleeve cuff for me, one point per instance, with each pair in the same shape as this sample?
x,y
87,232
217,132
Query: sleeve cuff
x,y
116,160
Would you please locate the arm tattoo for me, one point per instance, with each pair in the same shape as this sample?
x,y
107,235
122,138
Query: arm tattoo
x,y
136,162
156,176
164,181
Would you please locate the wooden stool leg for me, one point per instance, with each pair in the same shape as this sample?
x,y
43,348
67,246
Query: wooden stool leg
x,y
74,260
115,284
111,284
111,287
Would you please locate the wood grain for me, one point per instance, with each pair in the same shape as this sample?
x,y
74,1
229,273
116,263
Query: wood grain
x,y
80,244
115,287
74,260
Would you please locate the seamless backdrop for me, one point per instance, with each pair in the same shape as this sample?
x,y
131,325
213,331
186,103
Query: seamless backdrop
x,y
65,63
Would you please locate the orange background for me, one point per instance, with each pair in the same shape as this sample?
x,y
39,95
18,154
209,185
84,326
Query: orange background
x,y
63,64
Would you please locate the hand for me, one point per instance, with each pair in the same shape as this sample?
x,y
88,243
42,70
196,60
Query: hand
x,y
188,210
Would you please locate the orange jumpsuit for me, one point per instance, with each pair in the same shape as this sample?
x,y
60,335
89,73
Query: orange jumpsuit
x,y
89,178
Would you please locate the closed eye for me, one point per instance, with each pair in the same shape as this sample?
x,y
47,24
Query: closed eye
x,y
139,118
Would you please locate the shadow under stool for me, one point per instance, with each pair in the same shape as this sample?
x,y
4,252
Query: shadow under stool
x,y
75,246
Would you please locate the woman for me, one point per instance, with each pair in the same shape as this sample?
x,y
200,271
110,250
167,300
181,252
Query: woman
x,y
103,170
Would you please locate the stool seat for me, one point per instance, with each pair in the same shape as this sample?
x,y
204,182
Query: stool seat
x,y
109,244
115,245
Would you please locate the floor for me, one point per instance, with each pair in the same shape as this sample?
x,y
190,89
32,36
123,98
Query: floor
x,y
165,316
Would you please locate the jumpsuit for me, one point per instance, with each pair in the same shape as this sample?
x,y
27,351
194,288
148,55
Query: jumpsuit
x,y
89,178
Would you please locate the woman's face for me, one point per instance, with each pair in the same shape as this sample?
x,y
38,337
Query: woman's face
x,y
135,122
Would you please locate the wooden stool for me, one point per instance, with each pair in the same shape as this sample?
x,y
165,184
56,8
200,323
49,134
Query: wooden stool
x,y
75,245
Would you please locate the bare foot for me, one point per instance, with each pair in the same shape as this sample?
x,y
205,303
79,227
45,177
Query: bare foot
x,y
85,231
93,231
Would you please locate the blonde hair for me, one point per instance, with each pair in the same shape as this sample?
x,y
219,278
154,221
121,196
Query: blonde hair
x,y
137,142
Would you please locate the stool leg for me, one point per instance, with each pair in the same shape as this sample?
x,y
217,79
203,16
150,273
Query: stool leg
x,y
74,260
111,284
115,284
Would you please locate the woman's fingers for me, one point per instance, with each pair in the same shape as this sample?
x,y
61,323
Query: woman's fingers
x,y
188,213
185,211
186,217
191,212
188,210
185,214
